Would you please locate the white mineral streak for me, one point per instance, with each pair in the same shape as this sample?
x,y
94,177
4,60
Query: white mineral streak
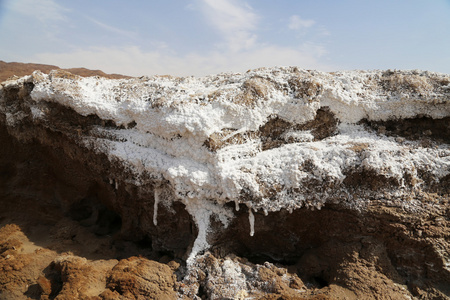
x,y
201,212
201,218
251,220
174,117
155,206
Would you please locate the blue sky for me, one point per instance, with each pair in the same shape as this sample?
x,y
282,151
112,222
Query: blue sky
x,y
200,37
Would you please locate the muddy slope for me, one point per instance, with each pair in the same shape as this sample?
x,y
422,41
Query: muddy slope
x,y
335,186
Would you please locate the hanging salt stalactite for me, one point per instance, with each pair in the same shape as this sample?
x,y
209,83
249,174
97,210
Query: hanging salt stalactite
x,y
201,212
155,206
251,219
236,205
201,218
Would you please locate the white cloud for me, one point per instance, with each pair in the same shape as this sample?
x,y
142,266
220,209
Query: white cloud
x,y
134,61
43,10
297,23
234,21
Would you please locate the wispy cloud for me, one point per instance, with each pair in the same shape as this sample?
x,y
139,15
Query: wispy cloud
x,y
43,10
236,22
37,22
113,29
297,23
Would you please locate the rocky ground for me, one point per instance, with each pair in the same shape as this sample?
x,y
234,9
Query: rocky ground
x,y
73,225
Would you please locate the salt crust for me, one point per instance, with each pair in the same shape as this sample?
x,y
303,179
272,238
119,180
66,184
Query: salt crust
x,y
174,117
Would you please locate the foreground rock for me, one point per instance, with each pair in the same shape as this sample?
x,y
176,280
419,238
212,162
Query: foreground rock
x,y
273,183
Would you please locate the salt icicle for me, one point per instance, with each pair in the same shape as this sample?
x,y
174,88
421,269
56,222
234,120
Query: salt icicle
x,y
201,216
236,205
155,206
251,219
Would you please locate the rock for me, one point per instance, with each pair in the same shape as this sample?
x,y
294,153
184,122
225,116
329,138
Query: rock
x,y
80,278
45,285
232,278
138,278
18,266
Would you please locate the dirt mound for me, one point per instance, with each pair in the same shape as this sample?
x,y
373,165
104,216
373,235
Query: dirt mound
x,y
12,69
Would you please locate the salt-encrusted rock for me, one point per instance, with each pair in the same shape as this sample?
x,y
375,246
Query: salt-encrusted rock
x,y
197,163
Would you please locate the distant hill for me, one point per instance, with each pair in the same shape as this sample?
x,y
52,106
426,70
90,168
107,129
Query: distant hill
x,y
8,70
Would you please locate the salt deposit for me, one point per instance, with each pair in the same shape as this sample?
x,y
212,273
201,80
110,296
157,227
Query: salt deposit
x,y
203,135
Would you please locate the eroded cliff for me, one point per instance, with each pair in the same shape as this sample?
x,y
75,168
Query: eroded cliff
x,y
273,182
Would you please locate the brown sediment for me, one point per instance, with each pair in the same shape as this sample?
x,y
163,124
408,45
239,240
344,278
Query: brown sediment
x,y
272,133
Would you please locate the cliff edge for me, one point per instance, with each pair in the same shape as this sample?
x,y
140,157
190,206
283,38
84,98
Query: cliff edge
x,y
274,183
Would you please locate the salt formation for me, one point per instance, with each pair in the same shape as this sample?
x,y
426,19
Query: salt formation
x,y
155,206
201,211
251,219
272,139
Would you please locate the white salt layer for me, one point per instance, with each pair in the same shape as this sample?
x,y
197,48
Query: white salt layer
x,y
155,206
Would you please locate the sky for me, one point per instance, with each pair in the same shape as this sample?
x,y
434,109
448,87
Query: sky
x,y
201,37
